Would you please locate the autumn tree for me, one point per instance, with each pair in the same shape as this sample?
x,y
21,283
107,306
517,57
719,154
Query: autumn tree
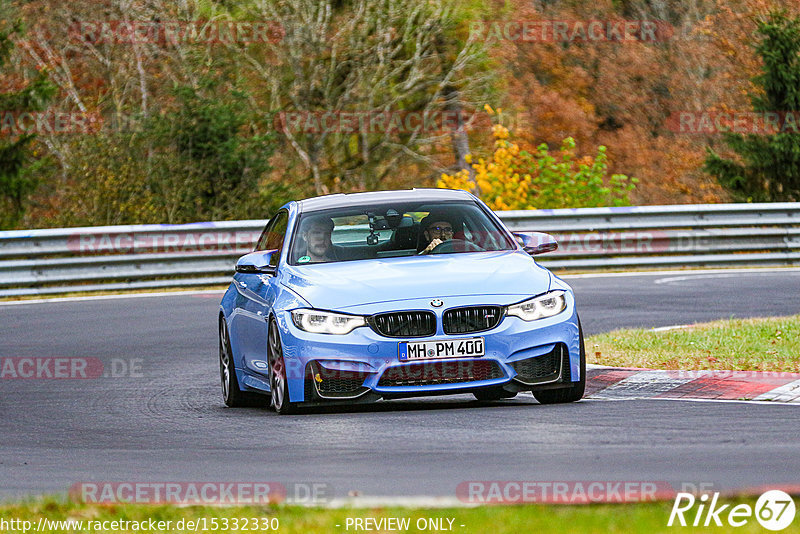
x,y
616,93
16,179
373,59
515,179
174,147
220,151
182,139
768,168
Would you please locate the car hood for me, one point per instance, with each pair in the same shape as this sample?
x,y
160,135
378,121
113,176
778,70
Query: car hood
x,y
336,286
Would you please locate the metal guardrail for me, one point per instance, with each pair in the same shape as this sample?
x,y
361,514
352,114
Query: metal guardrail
x,y
40,262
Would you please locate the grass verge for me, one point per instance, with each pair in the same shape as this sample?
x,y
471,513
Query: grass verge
x,y
648,517
771,344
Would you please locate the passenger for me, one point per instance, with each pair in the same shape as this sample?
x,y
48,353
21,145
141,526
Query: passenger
x,y
317,235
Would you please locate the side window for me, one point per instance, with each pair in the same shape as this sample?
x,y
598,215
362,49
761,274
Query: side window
x,y
272,237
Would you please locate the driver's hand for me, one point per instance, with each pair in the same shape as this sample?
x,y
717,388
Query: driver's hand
x,y
433,244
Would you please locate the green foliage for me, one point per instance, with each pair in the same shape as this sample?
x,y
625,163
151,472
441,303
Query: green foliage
x,y
16,184
564,182
202,160
630,518
108,183
514,179
768,168
221,154
33,97
14,187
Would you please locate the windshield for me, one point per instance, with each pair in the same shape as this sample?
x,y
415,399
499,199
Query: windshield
x,y
394,229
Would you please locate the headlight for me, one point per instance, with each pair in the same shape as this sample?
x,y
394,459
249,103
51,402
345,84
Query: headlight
x,y
540,307
322,322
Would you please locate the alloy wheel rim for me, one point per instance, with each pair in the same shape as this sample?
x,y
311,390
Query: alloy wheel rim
x,y
276,369
224,362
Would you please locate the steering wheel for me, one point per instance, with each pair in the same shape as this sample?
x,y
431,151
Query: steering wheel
x,y
452,244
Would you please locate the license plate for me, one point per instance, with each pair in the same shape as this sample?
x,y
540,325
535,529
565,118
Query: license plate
x,y
450,348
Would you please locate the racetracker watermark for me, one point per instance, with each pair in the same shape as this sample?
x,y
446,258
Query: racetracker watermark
x,y
376,122
630,242
620,242
561,492
737,122
69,368
48,123
186,242
201,493
176,32
570,31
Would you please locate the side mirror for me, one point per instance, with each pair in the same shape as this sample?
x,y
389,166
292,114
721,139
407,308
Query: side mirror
x,y
536,242
256,262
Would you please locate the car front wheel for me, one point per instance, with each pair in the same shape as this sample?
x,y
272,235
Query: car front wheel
x,y
570,393
231,394
278,384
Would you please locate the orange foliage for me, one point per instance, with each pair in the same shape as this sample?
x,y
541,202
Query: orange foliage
x,y
620,94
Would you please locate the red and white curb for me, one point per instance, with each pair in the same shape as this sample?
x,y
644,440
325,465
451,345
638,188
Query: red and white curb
x,y
612,383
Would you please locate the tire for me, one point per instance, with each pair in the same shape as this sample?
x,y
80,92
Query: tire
x,y
278,384
493,394
571,393
231,394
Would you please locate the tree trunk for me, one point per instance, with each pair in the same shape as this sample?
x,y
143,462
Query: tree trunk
x,y
458,134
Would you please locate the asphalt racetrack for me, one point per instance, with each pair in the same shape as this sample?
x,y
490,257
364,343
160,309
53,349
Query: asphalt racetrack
x,y
161,417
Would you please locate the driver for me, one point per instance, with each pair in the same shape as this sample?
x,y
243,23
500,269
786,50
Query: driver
x,y
317,235
437,228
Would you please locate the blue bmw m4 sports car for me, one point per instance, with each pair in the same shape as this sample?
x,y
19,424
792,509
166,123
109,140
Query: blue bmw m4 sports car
x,y
359,297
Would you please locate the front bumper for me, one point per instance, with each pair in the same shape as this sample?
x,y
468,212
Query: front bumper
x,y
368,364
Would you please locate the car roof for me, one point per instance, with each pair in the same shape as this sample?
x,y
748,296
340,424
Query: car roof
x,y
343,200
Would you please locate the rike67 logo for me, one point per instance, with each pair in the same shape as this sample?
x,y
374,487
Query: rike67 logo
x,y
774,510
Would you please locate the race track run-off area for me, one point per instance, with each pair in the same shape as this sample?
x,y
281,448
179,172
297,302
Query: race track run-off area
x,y
614,383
